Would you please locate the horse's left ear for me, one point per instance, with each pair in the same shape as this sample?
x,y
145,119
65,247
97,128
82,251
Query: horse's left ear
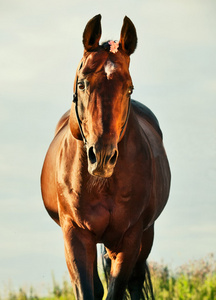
x,y
128,37
92,33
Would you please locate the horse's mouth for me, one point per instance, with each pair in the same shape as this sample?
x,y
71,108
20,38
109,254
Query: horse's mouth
x,y
101,172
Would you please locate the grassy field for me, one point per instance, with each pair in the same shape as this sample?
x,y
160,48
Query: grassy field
x,y
195,280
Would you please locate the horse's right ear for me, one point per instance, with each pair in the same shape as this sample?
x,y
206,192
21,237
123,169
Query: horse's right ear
x,y
92,33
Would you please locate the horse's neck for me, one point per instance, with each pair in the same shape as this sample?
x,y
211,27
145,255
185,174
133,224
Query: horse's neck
x,y
73,151
133,130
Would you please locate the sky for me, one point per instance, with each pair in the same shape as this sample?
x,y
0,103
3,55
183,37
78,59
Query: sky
x,y
174,74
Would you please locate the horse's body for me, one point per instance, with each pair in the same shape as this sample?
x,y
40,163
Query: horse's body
x,y
111,190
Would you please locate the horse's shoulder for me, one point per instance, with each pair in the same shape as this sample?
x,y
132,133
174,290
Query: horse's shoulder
x,y
62,122
145,113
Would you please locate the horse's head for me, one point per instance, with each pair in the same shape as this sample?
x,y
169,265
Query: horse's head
x,y
102,92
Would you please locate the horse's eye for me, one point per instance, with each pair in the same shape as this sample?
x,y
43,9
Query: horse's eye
x,y
81,86
130,91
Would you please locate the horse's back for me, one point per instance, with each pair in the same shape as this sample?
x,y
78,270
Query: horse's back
x,y
143,112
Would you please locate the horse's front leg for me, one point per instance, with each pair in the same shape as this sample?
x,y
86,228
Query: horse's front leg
x,y
122,265
80,254
141,273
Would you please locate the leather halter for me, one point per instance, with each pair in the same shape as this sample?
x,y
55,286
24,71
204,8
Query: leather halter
x,y
75,100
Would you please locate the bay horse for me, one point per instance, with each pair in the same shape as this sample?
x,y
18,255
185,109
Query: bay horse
x,y
106,177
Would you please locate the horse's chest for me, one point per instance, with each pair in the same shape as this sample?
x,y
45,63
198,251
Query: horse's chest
x,y
109,216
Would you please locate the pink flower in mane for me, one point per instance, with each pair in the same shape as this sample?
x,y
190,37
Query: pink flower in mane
x,y
113,46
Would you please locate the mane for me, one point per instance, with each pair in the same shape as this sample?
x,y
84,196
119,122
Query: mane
x,y
106,46
111,46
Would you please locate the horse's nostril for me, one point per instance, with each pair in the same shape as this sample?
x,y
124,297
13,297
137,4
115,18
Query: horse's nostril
x,y
113,158
92,156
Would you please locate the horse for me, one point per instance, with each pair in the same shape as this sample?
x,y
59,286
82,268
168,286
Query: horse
x,y
106,176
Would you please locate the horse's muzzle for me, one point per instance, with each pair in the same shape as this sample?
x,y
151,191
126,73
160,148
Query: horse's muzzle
x,y
101,163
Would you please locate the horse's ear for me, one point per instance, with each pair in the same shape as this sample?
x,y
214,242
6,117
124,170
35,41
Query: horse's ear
x,y
128,37
92,33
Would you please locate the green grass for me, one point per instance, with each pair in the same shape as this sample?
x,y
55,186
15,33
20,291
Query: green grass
x,y
193,281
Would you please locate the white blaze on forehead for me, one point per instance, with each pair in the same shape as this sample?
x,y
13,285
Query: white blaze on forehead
x,y
109,69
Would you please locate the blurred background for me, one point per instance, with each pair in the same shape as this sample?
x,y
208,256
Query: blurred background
x,y
174,74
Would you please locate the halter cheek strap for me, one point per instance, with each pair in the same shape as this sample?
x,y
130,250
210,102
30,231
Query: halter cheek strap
x,y
75,101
